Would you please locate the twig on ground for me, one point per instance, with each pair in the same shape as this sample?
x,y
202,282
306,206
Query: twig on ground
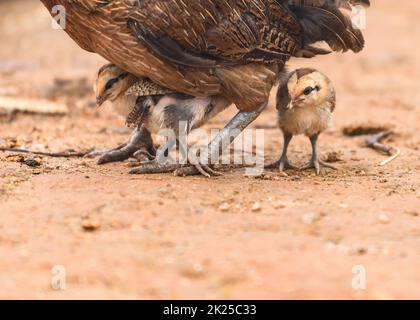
x,y
374,142
65,154
392,158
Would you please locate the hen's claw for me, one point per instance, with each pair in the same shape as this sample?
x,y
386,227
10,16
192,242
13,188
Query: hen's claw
x,y
153,167
197,169
140,146
143,155
179,170
124,153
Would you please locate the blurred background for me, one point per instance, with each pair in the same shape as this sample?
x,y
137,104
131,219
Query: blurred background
x,y
295,236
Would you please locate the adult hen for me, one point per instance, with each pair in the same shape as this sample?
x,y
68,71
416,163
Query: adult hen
x,y
234,48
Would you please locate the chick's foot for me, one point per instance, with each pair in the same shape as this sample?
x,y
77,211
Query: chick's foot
x,y
318,165
282,164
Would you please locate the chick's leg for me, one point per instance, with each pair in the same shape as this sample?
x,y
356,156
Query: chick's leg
x,y
139,146
316,163
283,163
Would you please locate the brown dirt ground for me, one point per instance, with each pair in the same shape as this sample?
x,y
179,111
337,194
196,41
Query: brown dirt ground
x,y
166,237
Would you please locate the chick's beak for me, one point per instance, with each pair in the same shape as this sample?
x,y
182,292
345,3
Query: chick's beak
x,y
99,101
293,98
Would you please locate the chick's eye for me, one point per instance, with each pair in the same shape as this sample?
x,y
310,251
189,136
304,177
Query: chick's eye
x,y
308,91
109,84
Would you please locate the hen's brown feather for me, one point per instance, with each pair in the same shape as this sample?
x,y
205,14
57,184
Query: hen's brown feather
x,y
225,31
236,48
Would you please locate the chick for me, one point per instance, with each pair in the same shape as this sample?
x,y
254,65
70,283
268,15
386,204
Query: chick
x,y
150,108
112,84
305,104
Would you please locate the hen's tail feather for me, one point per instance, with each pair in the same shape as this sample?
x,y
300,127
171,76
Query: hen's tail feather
x,y
324,21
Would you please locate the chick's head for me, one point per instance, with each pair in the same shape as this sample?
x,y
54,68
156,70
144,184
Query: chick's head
x,y
309,88
110,83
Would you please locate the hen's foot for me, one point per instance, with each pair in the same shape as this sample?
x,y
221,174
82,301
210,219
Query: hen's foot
x,y
125,152
220,144
216,148
154,167
140,147
179,170
198,169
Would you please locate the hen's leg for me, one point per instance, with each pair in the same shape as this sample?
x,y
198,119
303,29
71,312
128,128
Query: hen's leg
x,y
315,162
283,163
215,149
139,146
222,141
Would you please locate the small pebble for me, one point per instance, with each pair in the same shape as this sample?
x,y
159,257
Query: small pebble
x,y
412,213
309,218
36,172
198,267
224,207
199,210
256,207
32,163
358,251
279,205
90,225
384,218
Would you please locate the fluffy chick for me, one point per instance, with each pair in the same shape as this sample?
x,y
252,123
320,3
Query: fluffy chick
x,y
142,101
145,104
305,104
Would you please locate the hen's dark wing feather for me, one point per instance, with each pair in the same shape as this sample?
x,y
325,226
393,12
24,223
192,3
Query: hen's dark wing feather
x,y
209,33
170,50
212,33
